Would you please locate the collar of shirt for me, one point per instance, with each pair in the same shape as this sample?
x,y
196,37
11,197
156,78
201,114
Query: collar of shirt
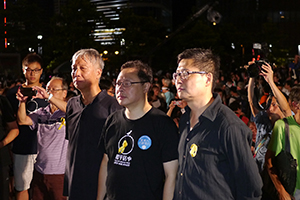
x,y
210,112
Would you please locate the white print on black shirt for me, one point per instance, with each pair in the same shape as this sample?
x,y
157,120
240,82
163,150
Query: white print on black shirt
x,y
125,147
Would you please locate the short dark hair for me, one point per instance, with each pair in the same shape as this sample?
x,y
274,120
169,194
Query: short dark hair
x,y
204,60
295,94
144,70
234,106
32,58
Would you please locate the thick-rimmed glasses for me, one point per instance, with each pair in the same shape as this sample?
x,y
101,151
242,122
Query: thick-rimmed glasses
x,y
184,74
53,90
33,70
128,83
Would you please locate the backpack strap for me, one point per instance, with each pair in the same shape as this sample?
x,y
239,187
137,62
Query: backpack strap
x,y
287,135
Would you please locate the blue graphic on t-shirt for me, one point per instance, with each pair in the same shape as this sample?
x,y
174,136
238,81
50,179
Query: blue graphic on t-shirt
x,y
144,142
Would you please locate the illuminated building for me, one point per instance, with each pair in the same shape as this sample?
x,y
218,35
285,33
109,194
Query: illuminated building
x,y
106,30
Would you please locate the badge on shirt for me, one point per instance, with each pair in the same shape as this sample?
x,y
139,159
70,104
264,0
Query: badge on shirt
x,y
144,142
126,144
193,150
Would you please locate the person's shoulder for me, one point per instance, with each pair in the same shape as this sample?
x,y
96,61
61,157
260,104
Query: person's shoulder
x,y
12,91
74,99
157,112
108,101
159,115
228,117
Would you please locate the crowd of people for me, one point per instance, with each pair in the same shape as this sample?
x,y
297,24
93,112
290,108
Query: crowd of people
x,y
199,133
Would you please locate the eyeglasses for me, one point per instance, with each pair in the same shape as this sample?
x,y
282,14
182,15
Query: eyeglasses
x,y
128,83
32,70
53,90
184,74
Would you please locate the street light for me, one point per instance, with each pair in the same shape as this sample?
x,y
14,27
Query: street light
x,y
40,48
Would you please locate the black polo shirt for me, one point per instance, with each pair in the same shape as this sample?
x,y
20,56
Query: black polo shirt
x,y
84,124
215,161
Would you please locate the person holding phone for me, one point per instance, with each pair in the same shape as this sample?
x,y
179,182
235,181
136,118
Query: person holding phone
x,y
25,144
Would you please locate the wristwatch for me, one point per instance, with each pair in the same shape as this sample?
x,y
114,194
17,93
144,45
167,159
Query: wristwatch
x,y
50,96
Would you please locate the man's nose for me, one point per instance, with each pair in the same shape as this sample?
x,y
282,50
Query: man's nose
x,y
76,72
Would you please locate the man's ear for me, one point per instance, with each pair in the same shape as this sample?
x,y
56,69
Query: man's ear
x,y
209,79
99,73
146,87
65,93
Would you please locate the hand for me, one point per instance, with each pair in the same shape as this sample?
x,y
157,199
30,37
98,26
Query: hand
x,y
41,92
283,195
182,104
267,73
20,96
172,105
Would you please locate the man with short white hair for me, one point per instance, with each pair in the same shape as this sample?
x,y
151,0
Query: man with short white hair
x,y
85,117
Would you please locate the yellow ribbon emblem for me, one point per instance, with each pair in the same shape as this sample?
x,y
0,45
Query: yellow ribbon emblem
x,y
193,150
124,145
63,123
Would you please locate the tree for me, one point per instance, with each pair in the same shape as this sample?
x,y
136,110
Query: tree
x,y
71,31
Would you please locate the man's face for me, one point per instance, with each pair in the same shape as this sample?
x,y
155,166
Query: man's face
x,y
55,87
84,74
194,85
33,73
156,91
111,91
131,95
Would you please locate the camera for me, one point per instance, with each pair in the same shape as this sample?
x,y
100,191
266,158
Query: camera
x,y
28,91
255,68
177,102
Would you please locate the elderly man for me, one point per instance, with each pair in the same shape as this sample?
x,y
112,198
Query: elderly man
x,y
85,117
49,170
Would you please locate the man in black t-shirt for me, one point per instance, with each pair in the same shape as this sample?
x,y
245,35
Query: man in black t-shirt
x,y
25,145
140,143
85,117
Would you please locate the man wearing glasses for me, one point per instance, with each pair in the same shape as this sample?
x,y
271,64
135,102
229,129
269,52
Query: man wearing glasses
x,y
215,160
48,178
139,143
25,144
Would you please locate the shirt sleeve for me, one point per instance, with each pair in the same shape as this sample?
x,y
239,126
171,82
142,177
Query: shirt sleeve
x,y
170,141
245,173
34,117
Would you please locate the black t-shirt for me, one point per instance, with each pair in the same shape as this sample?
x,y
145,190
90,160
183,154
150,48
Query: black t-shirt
x,y
6,116
137,150
26,142
84,124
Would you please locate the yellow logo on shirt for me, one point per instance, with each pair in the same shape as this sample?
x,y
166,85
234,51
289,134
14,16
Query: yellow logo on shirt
x,y
63,123
124,145
193,150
